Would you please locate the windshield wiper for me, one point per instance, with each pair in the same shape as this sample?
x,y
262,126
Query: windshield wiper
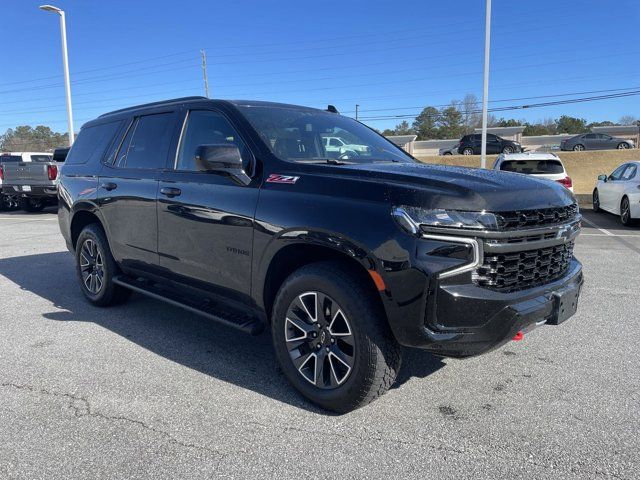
x,y
330,161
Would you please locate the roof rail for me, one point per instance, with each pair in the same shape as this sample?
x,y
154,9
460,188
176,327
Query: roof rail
x,y
162,102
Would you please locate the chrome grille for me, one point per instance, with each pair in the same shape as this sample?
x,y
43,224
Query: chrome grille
x,y
513,271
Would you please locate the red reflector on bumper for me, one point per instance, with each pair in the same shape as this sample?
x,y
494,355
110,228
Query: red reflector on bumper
x,y
519,336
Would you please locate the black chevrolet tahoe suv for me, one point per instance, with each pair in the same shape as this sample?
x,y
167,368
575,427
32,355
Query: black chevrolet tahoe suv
x,y
239,211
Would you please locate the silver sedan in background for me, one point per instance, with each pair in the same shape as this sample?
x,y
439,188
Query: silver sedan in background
x,y
596,141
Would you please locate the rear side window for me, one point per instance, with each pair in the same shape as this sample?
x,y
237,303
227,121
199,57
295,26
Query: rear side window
x,y
10,158
41,158
91,144
539,167
146,144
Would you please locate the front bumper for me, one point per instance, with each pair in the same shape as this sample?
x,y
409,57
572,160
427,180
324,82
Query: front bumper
x,y
485,319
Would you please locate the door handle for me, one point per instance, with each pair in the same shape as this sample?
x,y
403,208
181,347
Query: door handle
x,y
170,191
108,186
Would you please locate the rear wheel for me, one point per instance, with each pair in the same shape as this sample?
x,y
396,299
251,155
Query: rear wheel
x,y
31,204
596,201
332,339
96,268
467,151
623,146
625,212
507,149
578,148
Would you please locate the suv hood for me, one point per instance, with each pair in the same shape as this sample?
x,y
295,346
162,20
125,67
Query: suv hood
x,y
459,188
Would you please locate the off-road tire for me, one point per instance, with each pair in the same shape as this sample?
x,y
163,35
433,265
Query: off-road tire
x,y
110,293
377,355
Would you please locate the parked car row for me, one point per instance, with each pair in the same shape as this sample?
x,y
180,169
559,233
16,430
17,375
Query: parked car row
x,y
28,179
617,193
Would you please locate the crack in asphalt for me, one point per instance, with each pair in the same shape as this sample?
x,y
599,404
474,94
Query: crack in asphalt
x,y
82,408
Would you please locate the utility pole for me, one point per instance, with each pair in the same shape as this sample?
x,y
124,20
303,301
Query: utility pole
x,y
357,110
485,88
204,72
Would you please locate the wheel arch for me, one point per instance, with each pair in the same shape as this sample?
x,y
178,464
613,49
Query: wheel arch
x,y
292,256
84,215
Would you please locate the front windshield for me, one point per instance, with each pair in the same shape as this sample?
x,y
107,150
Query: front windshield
x,y
305,135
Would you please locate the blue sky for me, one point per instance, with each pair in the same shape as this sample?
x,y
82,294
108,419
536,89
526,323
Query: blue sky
x,y
381,55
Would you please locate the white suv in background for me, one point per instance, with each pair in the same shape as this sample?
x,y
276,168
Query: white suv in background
x,y
337,144
540,165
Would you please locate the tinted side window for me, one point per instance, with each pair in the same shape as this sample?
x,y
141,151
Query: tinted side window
x,y
147,142
591,136
10,158
91,143
617,173
206,128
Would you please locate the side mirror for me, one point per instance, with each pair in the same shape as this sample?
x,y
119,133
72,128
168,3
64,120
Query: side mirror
x,y
602,177
222,158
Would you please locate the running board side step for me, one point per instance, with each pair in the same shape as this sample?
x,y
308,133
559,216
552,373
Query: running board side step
x,y
240,321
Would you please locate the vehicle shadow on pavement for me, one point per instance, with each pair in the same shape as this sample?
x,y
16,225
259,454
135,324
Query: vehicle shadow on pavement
x,y
177,335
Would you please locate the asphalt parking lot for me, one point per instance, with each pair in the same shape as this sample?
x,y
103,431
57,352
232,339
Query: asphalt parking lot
x,y
145,390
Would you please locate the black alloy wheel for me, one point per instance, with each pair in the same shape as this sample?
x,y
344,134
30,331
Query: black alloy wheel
x,y
332,338
319,339
96,268
91,266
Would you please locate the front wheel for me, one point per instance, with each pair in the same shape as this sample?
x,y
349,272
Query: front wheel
x,y
623,146
467,151
96,268
596,201
507,149
332,339
578,148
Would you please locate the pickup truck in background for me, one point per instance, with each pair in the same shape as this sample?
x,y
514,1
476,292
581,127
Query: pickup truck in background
x,y
31,178
11,201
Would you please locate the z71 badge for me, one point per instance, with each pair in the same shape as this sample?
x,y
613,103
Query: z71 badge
x,y
277,178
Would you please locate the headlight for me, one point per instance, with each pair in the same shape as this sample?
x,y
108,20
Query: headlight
x,y
410,218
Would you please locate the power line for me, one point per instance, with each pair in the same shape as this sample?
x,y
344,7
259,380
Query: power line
x,y
516,107
439,115
497,101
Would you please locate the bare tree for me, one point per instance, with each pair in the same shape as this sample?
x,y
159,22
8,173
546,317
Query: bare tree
x,y
628,120
469,107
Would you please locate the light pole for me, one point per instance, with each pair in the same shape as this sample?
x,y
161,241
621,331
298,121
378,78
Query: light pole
x,y
485,87
65,62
